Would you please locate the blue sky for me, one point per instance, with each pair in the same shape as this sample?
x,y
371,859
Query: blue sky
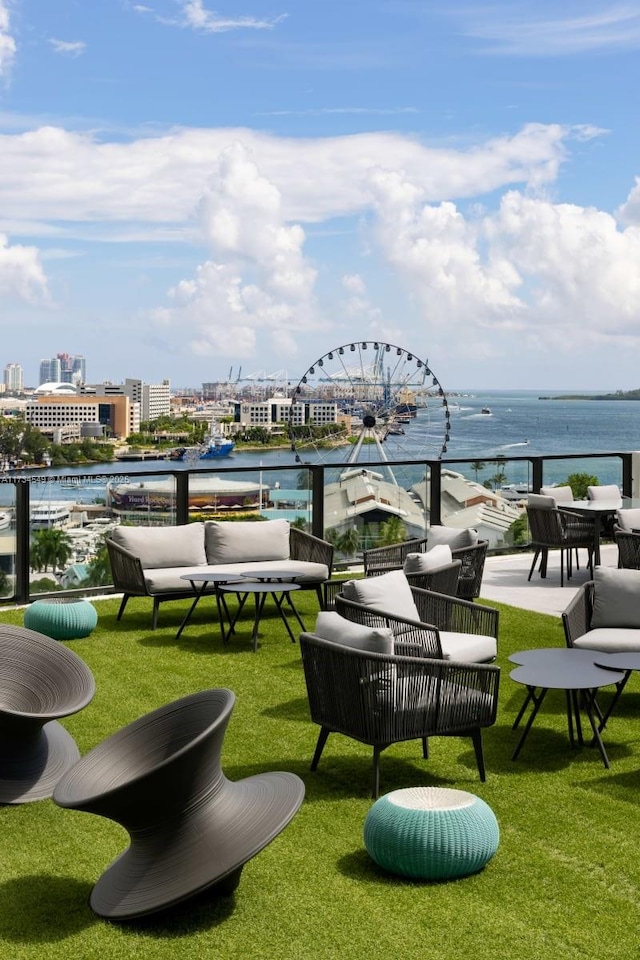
x,y
187,188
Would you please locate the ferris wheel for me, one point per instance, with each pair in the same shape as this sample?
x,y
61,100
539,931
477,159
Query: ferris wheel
x,y
369,402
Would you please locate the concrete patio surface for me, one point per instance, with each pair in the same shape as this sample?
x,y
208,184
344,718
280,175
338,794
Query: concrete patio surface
x,y
505,580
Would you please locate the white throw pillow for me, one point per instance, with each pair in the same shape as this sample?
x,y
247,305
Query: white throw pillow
x,y
434,559
331,626
390,593
452,536
228,541
616,598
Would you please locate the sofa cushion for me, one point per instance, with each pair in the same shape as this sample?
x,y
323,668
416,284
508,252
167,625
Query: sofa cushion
x,y
168,579
610,640
436,558
390,593
331,626
158,547
468,647
540,502
227,541
452,536
616,598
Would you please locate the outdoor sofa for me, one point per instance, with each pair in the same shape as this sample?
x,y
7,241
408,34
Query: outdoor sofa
x,y
149,561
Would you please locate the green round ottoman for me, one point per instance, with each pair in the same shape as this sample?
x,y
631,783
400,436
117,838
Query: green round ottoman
x,y
61,619
431,833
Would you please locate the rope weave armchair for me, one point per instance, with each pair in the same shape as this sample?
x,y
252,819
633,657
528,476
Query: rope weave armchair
x,y
437,612
628,543
472,558
379,700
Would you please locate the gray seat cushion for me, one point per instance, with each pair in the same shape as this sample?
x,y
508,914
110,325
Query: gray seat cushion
x,y
610,640
167,579
468,647
306,571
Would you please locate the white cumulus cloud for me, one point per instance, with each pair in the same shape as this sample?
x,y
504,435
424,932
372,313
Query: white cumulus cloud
x,y
7,42
21,273
68,48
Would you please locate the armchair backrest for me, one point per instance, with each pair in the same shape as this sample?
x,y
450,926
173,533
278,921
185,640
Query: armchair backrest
x,y
562,494
628,544
609,491
545,522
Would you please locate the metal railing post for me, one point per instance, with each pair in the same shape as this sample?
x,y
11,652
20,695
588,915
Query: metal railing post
x,y
182,497
435,492
317,499
22,542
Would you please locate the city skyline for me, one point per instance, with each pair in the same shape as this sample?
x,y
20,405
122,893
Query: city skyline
x,y
187,189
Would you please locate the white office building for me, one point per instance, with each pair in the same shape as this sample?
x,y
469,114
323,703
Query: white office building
x,y
282,410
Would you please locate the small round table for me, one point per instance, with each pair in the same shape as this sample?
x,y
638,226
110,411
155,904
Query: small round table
x,y
206,579
568,669
627,661
431,833
261,584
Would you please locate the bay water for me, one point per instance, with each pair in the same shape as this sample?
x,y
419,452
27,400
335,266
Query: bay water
x,y
519,424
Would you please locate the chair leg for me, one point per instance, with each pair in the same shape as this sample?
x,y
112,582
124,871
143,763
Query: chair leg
x,y
425,748
154,616
476,736
533,564
320,596
375,785
322,739
123,604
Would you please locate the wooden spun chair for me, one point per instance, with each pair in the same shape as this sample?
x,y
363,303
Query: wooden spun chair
x,y
551,526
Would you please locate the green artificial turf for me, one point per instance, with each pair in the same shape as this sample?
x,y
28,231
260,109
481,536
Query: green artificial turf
x,y
564,882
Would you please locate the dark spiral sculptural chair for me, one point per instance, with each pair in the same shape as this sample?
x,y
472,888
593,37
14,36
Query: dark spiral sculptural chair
x,y
40,682
190,828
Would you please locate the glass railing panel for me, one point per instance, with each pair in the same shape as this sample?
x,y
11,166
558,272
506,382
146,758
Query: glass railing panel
x,y
366,507
582,472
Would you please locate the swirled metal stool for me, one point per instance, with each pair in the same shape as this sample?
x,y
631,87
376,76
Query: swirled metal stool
x,y
40,681
190,828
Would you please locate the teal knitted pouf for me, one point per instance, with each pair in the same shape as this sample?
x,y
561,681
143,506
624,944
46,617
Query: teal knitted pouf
x,y
431,833
61,619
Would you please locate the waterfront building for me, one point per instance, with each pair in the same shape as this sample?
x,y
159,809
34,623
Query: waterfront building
x,y
113,414
153,400
266,413
13,378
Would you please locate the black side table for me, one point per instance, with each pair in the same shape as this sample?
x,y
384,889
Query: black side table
x,y
568,669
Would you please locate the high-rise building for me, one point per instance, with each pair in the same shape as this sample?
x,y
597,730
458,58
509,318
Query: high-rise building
x,y
50,371
72,369
13,378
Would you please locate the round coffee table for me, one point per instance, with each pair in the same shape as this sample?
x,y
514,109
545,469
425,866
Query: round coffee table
x,y
627,661
206,580
574,672
260,590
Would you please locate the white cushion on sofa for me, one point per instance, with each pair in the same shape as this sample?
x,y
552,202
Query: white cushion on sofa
x,y
434,559
390,593
610,640
227,541
169,579
156,547
331,626
616,598
452,536
305,570
468,647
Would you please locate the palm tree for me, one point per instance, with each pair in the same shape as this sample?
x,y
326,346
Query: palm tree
x,y
349,542
52,546
477,466
392,531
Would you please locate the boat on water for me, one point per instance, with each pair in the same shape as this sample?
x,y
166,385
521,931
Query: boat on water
x,y
215,445
486,410
51,514
5,520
